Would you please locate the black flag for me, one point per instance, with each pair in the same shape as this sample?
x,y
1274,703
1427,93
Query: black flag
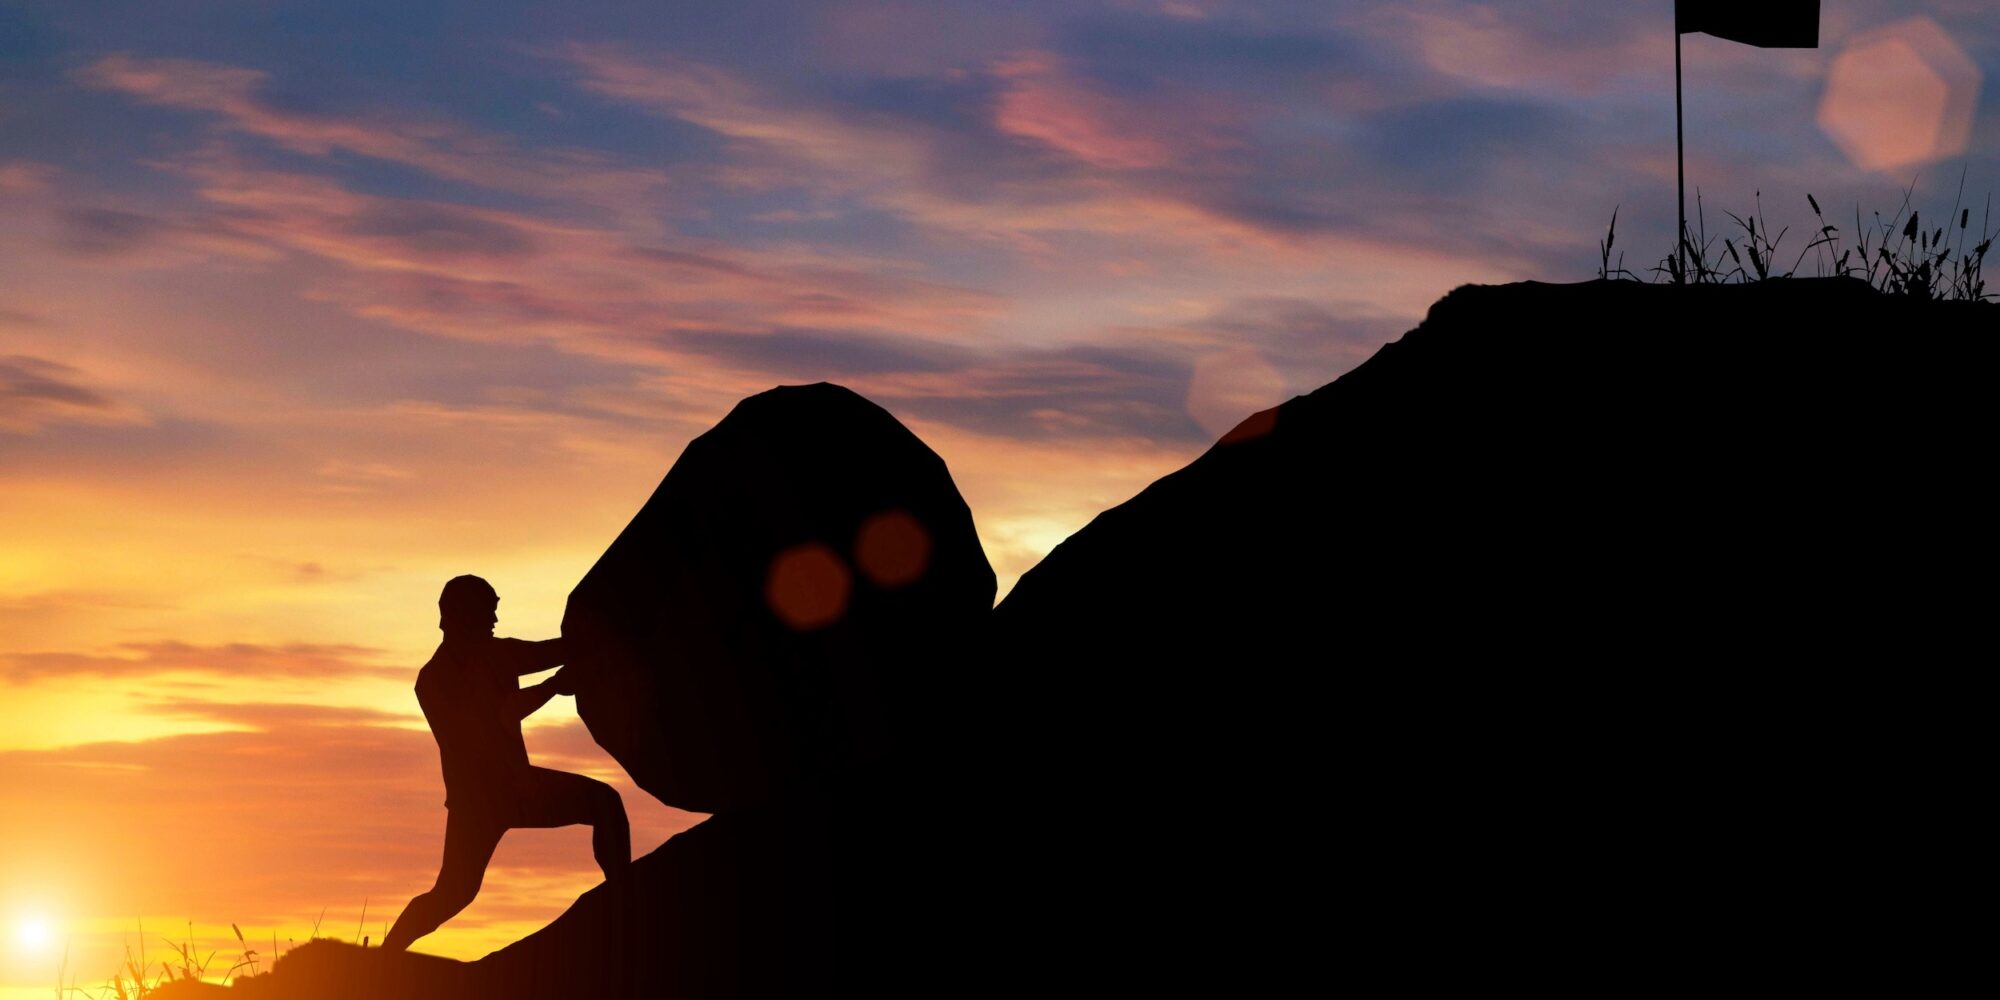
x,y
1768,24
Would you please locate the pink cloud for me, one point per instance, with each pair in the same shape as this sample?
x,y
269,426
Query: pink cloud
x,y
25,177
774,138
890,164
501,277
1494,45
135,240
1043,104
999,380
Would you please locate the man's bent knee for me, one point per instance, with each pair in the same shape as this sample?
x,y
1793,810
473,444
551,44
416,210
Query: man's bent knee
x,y
457,892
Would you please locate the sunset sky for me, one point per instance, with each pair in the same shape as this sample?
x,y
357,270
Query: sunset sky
x,y
307,307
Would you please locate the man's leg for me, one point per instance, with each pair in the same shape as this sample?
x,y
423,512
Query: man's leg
x,y
559,798
469,840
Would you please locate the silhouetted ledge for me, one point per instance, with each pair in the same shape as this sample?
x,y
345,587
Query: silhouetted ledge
x,y
1588,636
1586,627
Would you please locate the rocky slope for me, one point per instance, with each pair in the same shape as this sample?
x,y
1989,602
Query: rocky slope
x,y
1565,633
1585,635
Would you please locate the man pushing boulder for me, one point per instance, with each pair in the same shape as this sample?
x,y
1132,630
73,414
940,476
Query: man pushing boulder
x,y
474,703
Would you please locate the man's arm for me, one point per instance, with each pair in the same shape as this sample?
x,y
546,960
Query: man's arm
x,y
523,703
524,657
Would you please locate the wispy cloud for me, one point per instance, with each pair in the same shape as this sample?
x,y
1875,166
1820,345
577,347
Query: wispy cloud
x,y
1041,103
841,150
19,177
236,659
234,94
36,392
269,715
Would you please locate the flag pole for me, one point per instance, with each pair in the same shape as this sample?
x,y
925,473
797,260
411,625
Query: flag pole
x,y
1680,152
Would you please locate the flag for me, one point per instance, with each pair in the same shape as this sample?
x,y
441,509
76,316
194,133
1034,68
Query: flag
x,y
1768,24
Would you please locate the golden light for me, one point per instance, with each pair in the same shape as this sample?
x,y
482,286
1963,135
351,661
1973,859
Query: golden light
x,y
34,933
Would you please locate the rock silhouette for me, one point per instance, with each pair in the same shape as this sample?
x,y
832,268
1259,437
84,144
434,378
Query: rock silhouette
x,y
1558,642
790,603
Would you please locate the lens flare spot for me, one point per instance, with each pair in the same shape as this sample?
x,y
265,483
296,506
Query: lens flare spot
x,y
893,549
1901,95
807,587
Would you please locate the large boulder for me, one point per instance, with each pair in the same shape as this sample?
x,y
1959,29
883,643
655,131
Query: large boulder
x,y
794,601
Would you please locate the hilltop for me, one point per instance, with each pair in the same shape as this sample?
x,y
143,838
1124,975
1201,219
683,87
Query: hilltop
x,y
1585,631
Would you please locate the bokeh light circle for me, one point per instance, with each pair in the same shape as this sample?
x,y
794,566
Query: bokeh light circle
x,y
808,587
893,549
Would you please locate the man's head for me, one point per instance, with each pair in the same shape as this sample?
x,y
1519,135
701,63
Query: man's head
x,y
468,607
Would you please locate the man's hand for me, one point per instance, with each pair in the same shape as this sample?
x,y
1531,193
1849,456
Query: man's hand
x,y
524,702
563,682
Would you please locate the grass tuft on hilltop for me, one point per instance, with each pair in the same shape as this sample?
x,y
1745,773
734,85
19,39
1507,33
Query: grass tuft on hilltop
x,y
1900,255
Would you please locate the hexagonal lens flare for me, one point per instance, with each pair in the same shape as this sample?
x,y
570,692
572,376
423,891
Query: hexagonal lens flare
x,y
1900,96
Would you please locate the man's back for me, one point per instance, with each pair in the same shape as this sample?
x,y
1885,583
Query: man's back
x,y
463,691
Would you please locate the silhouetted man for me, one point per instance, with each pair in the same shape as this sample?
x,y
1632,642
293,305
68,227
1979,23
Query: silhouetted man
x,y
475,705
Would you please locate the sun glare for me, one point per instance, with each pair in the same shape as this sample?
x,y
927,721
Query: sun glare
x,y
34,933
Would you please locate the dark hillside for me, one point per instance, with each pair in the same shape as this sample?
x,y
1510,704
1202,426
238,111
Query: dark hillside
x,y
1581,623
1589,635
